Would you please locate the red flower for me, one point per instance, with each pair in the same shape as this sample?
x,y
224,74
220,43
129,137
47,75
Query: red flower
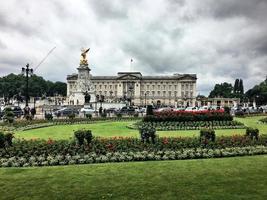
x,y
49,141
165,141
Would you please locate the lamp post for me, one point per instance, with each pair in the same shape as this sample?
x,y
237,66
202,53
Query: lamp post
x,y
145,98
27,71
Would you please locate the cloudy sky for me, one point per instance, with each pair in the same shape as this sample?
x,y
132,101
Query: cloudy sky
x,y
219,40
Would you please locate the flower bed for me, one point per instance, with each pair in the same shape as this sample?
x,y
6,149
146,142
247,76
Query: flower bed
x,y
118,149
196,153
118,144
189,125
183,116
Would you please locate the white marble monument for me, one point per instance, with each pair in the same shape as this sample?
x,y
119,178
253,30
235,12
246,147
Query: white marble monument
x,y
83,91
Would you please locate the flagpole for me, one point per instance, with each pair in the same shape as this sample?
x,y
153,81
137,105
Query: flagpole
x,y
131,65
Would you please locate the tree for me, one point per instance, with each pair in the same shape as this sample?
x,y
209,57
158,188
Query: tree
x,y
236,86
241,87
258,93
224,90
13,86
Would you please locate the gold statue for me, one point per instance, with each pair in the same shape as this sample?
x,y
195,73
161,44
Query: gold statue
x,y
83,60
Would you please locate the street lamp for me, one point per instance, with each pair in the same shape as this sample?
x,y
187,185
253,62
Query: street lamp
x,y
145,98
131,94
27,71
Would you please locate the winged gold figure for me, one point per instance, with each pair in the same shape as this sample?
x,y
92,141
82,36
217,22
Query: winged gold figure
x,y
83,60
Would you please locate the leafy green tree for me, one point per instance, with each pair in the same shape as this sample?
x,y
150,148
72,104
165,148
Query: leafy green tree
x,y
224,90
258,93
14,86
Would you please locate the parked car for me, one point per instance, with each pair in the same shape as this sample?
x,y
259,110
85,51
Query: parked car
x,y
87,110
126,110
191,109
163,109
66,111
111,110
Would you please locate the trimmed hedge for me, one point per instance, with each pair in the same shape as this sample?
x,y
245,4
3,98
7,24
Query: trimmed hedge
x,y
41,123
182,116
170,125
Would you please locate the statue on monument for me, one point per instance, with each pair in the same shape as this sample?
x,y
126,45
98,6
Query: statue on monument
x,y
83,60
87,97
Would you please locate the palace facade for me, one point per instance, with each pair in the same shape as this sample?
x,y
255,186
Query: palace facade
x,y
173,90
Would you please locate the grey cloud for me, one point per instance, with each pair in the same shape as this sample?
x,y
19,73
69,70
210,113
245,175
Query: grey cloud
x,y
107,9
219,40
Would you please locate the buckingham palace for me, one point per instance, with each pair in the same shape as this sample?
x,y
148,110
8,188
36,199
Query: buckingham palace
x,y
173,90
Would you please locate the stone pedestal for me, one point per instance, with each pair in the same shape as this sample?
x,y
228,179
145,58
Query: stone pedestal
x,y
83,87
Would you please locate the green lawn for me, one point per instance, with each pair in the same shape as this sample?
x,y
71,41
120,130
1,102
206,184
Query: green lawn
x,y
224,178
110,129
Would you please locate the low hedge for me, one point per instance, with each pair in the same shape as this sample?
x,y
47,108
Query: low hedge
x,y
41,123
194,153
170,125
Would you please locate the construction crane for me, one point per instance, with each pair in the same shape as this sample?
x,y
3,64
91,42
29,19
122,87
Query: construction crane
x,y
44,58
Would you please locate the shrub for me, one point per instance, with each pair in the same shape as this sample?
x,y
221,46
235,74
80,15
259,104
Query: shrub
x,y
183,116
8,138
207,134
48,116
71,116
2,140
88,136
119,115
136,115
227,109
79,134
147,132
252,133
149,110
88,116
8,115
104,115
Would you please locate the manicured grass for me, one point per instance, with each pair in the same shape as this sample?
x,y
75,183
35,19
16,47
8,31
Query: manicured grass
x,y
254,123
225,178
110,129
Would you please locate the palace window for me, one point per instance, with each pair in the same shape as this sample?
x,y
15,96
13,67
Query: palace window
x,y
158,93
182,86
158,87
175,87
182,94
164,93
170,93
186,86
